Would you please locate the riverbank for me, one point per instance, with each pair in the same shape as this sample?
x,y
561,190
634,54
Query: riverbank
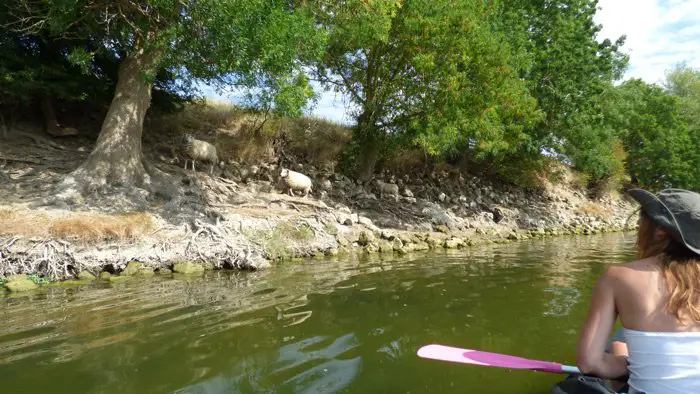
x,y
239,216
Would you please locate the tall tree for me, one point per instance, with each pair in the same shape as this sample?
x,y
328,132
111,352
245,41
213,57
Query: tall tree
x,y
569,72
684,82
245,43
424,72
661,152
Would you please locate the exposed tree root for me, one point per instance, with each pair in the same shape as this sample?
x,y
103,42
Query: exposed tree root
x,y
234,250
219,244
50,258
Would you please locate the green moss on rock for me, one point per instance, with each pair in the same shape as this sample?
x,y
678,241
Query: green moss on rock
x,y
134,268
115,279
86,276
188,268
19,283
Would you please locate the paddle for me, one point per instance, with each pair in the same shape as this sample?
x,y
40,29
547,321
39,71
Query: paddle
x,y
477,357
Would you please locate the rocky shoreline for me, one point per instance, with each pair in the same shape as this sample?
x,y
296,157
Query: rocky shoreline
x,y
239,217
272,226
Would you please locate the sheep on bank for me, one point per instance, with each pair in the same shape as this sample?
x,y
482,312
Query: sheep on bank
x,y
295,181
390,189
200,150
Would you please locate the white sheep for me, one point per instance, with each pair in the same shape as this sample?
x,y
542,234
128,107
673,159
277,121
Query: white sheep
x,y
200,150
296,181
390,189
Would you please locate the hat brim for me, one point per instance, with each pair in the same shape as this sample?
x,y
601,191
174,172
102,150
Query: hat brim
x,y
647,200
659,213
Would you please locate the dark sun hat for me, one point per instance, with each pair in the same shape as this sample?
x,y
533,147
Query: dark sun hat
x,y
676,210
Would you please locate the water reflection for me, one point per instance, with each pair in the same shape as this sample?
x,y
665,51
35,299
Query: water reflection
x,y
322,326
321,370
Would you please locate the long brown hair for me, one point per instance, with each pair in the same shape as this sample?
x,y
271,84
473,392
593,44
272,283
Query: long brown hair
x,y
680,267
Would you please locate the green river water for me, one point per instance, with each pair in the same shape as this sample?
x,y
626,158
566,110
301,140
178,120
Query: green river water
x,y
349,326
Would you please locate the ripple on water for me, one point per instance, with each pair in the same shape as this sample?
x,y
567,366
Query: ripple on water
x,y
316,327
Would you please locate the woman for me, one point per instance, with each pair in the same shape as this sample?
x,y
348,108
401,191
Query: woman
x,y
656,297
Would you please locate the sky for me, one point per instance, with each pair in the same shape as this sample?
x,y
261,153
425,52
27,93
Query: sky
x,y
660,34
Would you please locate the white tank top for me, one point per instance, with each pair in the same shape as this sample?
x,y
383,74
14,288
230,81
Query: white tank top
x,y
663,362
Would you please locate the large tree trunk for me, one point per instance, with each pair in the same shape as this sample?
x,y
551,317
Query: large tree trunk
x,y
370,142
117,159
50,120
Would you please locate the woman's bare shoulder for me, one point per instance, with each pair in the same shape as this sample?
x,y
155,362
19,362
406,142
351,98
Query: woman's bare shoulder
x,y
633,268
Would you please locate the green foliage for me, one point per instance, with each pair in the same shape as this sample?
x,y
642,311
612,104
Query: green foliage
x,y
256,45
661,153
569,72
426,73
489,83
35,65
38,280
684,83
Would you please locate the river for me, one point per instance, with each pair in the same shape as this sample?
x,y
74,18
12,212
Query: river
x,y
350,326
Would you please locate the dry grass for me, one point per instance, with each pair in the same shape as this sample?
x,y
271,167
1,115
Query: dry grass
x,y
405,162
593,209
317,141
247,136
84,226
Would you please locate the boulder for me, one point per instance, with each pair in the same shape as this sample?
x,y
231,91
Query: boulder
x,y
188,268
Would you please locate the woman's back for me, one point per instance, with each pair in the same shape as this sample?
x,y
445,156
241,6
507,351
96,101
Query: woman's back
x,y
664,352
656,298
641,298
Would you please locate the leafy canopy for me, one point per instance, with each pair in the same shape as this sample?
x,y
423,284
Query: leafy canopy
x,y
248,44
427,73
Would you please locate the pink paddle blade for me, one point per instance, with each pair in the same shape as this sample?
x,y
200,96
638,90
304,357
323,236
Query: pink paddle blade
x,y
477,357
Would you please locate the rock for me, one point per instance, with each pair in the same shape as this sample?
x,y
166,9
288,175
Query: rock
x,y
438,216
134,268
431,241
344,219
371,248
386,246
188,268
19,283
165,271
453,243
497,214
387,234
365,221
343,209
421,246
325,185
85,275
404,238
410,200
105,275
332,252
407,193
342,241
442,228
398,246
365,238
442,197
